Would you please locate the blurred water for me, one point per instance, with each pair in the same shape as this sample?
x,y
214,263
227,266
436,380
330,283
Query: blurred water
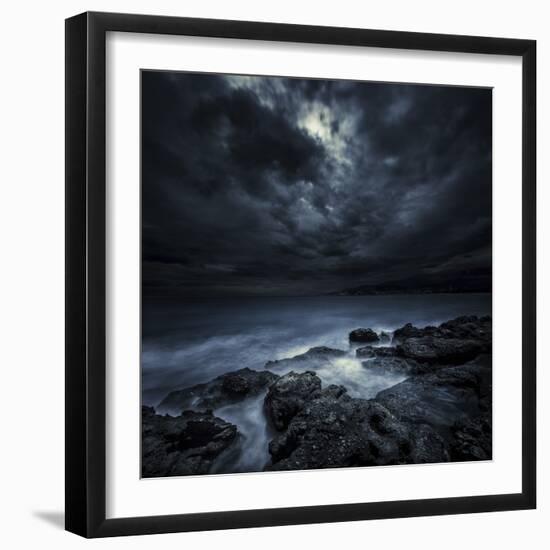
x,y
188,342
251,452
191,341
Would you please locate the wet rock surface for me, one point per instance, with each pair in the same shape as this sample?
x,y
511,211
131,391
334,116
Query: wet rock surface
x,y
472,438
443,351
443,397
440,412
393,364
313,358
409,331
467,327
182,445
287,396
451,343
334,430
365,335
223,390
319,355
367,352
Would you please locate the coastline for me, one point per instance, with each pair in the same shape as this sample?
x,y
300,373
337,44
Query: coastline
x,y
439,411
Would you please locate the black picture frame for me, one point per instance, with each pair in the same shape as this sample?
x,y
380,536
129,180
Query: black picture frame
x,y
86,263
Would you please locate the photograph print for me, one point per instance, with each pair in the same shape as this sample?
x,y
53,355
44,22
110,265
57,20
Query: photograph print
x,y
316,273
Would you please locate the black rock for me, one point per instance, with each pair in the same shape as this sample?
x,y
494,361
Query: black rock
x,y
385,337
472,438
428,445
441,398
468,327
225,389
287,396
363,335
393,364
334,391
336,431
313,358
410,331
440,412
443,351
183,445
367,352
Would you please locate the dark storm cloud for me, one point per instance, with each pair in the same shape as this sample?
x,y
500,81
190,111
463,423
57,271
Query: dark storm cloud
x,y
280,186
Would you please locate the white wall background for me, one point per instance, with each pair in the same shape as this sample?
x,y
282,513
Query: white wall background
x,y
32,270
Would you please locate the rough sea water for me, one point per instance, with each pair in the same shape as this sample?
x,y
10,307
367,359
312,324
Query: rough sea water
x,y
187,342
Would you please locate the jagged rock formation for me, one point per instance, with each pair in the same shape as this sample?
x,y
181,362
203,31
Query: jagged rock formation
x,y
365,335
334,430
183,445
227,388
441,411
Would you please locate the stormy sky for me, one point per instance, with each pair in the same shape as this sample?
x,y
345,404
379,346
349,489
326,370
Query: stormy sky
x,y
279,186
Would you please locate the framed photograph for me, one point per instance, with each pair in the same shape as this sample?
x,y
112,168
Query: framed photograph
x,y
300,274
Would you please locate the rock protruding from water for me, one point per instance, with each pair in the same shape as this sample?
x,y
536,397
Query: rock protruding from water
x,y
410,331
440,411
364,335
183,445
386,358
467,327
392,364
443,351
442,397
452,343
313,358
367,352
287,396
334,430
223,390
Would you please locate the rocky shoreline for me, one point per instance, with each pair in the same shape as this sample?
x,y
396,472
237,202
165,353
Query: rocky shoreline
x,y
439,412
